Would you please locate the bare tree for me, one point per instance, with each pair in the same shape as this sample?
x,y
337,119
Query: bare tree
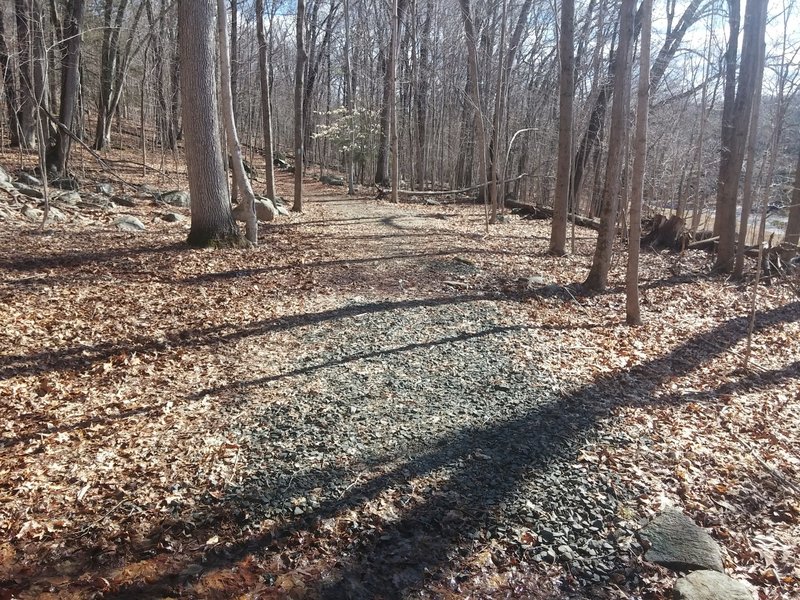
x,y
601,263
299,69
734,128
241,180
792,235
632,309
566,85
70,81
266,103
212,218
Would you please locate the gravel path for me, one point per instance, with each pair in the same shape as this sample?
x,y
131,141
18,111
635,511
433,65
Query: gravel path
x,y
430,418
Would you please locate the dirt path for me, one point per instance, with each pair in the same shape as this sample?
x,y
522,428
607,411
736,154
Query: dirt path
x,y
380,402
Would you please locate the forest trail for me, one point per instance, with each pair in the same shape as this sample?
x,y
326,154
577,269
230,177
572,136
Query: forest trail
x,y
380,401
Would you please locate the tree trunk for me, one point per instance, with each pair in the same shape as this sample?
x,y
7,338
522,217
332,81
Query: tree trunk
x,y
792,235
234,148
70,80
601,263
212,219
393,98
734,132
9,88
299,69
266,108
632,309
566,85
475,95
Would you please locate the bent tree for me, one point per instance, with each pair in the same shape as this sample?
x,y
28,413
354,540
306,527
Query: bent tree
x,y
212,218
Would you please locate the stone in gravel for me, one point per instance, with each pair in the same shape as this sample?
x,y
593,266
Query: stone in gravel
x,y
566,551
104,188
26,178
28,191
128,223
677,543
176,198
710,585
546,535
172,217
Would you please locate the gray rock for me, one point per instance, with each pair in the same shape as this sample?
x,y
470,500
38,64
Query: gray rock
x,y
104,188
69,198
26,178
265,211
710,585
677,543
128,223
332,180
4,176
176,198
122,200
280,206
56,215
65,183
172,217
26,190
31,214
147,191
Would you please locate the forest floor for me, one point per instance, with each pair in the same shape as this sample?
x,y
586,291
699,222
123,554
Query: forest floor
x,y
381,401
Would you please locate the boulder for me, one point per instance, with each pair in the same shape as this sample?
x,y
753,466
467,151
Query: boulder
x,y
65,183
123,200
128,223
332,180
4,176
32,214
280,206
69,198
172,217
28,191
176,198
104,188
674,541
265,211
26,178
710,585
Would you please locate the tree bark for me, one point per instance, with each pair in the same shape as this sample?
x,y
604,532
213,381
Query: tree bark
x,y
393,98
566,84
212,218
9,87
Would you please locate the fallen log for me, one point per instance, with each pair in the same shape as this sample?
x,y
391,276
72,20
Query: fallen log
x,y
534,211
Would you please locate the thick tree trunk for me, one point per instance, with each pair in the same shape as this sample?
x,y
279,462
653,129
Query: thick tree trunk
x,y
29,71
601,263
212,218
266,108
566,84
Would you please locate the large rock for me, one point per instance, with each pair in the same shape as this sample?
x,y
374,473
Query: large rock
x,y
176,198
128,223
26,178
28,191
104,188
710,585
677,543
265,211
69,198
4,176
